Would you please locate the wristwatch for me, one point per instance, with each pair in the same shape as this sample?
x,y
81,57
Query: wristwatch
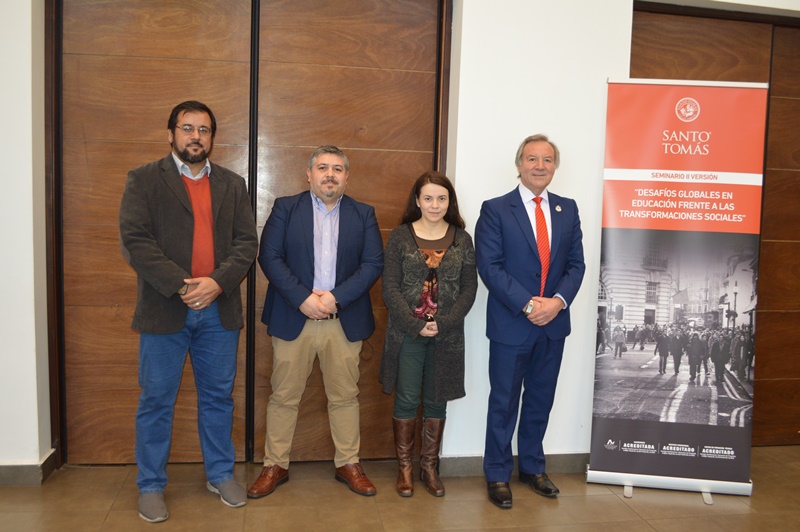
x,y
182,290
528,307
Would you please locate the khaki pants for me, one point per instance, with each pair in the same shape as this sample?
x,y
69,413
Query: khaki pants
x,y
292,364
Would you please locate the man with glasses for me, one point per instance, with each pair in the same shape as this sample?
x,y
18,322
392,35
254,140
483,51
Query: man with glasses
x,y
187,229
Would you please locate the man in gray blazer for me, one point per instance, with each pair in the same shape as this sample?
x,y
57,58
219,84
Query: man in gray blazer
x,y
187,228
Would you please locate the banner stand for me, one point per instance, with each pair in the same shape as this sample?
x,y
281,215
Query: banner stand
x,y
669,483
682,188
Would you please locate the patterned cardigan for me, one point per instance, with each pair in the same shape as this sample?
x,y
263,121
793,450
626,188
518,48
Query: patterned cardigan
x,y
404,272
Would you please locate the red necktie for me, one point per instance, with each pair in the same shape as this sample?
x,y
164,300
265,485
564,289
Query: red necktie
x,y
542,241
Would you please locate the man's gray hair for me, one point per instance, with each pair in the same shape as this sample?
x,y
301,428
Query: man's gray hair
x,y
539,137
333,150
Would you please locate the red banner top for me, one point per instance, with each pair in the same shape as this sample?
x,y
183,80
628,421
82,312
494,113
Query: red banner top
x,y
686,127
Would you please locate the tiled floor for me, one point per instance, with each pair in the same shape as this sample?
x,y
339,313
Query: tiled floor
x,y
104,498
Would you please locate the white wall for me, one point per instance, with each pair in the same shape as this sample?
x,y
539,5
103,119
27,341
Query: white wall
x,y
24,396
522,67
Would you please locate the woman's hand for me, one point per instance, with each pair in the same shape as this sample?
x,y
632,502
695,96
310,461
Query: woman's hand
x,y
430,329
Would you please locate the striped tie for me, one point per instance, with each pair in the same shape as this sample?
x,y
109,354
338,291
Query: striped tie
x,y
542,241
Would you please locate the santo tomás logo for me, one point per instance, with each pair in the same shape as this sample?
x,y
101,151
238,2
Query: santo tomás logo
x,y
687,109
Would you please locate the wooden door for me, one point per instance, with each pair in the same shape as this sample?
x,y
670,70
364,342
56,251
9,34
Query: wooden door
x,y
669,46
125,65
361,74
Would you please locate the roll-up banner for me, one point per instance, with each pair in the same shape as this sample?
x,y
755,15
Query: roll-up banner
x,y
676,307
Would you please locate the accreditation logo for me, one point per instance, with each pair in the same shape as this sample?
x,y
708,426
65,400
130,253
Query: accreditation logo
x,y
637,446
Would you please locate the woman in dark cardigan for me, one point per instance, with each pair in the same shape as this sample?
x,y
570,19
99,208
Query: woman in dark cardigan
x,y
429,284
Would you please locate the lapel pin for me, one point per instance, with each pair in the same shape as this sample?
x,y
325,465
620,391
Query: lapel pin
x,y
558,208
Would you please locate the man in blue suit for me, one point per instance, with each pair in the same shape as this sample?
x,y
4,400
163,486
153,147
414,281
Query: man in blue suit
x,y
529,250
321,252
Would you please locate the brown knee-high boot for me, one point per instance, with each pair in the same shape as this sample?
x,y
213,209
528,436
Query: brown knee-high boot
x,y
404,430
432,430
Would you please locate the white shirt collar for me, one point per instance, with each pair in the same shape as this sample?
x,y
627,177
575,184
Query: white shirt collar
x,y
183,168
319,204
526,195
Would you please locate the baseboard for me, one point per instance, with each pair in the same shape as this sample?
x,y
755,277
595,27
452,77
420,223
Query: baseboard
x,y
28,474
472,466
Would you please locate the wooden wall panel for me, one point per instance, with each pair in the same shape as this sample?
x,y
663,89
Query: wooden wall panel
x,y
776,416
783,150
125,65
206,30
91,363
105,419
777,334
685,47
362,108
779,276
88,323
781,200
776,411
384,34
102,375
90,253
359,74
785,81
679,47
129,98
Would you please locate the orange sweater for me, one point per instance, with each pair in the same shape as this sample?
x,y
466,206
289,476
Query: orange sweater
x,y
203,239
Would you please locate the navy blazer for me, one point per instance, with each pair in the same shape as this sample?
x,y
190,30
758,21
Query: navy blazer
x,y
287,259
508,262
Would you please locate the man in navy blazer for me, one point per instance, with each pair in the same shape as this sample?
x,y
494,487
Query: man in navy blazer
x,y
527,314
321,252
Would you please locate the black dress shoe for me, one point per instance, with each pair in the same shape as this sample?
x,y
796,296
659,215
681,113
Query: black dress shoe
x,y
540,483
500,494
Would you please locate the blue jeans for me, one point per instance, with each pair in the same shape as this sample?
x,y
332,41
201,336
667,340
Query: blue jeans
x,y
161,359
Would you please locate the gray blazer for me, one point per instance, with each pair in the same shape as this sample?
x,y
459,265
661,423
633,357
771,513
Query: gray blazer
x,y
156,228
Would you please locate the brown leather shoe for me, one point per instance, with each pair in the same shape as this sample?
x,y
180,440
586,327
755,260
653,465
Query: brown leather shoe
x,y
353,475
270,478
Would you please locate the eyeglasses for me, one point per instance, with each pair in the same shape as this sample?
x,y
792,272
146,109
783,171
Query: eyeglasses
x,y
189,129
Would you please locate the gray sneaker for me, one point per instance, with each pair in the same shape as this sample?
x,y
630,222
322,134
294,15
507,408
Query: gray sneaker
x,y
152,507
230,493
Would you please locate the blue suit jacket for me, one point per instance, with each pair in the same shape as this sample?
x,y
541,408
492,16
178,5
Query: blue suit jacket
x,y
287,259
508,262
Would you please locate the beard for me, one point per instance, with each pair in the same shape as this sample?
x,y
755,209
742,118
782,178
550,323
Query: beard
x,y
330,193
190,158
